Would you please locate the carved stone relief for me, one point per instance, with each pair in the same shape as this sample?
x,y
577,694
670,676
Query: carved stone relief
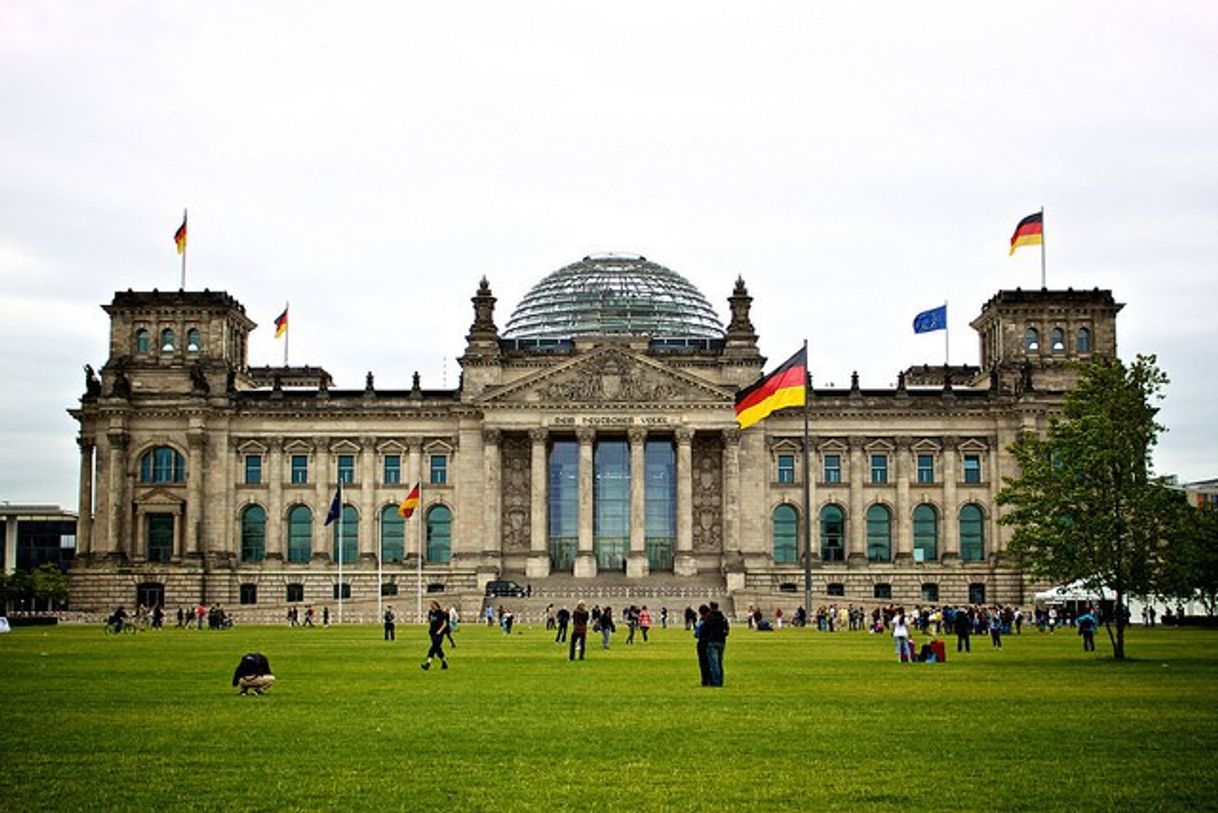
x,y
516,488
707,453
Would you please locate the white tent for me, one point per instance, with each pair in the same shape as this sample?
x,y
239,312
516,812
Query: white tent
x,y
1074,591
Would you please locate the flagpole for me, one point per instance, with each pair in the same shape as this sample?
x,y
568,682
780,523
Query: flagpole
x,y
807,490
341,546
947,354
1043,283
185,245
418,606
380,554
287,334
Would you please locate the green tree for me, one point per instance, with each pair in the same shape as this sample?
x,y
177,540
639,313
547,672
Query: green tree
x,y
1086,506
50,584
1190,566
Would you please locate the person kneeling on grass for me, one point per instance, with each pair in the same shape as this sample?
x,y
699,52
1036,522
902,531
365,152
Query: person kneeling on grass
x,y
253,674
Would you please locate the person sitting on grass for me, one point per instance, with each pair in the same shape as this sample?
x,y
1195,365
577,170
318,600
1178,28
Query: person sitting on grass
x,y
253,673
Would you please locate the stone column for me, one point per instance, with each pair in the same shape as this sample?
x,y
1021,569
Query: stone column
x,y
538,564
731,492
684,563
856,525
84,512
188,542
492,495
370,526
993,541
323,534
272,475
636,563
101,516
951,511
904,522
585,560
116,485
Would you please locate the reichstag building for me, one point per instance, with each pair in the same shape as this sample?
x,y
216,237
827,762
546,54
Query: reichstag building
x,y
591,440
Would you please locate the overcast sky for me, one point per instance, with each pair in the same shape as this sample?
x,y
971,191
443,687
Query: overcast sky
x,y
855,162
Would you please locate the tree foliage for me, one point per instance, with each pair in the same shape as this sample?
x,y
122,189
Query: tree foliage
x,y
1190,566
1086,506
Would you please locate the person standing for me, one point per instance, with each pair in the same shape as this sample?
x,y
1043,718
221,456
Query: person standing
x,y
644,622
563,618
996,630
325,616
551,621
703,665
579,631
963,627
606,626
715,630
490,616
1086,628
664,618
390,626
900,637
437,626
454,621
631,617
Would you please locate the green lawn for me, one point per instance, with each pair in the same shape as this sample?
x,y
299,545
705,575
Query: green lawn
x,y
807,721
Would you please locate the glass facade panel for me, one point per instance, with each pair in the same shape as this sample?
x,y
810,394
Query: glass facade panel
x,y
564,504
253,469
611,504
300,534
972,533
393,469
879,469
926,469
41,541
350,532
833,468
786,528
832,534
393,535
160,537
253,534
346,468
786,468
926,533
439,535
879,534
972,468
439,469
660,503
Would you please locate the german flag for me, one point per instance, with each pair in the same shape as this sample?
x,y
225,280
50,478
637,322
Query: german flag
x,y
281,323
410,503
179,236
1029,232
785,387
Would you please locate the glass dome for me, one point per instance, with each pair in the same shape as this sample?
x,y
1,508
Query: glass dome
x,y
614,294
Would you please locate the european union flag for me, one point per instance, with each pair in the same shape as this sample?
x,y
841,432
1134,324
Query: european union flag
x,y
933,319
336,506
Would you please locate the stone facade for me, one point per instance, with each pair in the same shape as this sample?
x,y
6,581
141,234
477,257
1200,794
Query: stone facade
x,y
208,480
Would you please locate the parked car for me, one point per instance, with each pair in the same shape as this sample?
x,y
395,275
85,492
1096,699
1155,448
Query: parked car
x,y
501,587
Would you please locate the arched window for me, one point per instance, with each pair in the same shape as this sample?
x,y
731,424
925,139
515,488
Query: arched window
x,y
142,342
439,535
393,534
879,534
350,529
162,464
166,341
194,342
253,534
832,534
926,533
1031,339
1057,340
300,534
1082,341
786,527
972,533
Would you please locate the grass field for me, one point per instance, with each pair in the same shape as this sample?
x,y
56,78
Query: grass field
x,y
806,721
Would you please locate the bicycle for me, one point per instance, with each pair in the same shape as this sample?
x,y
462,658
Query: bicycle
x,y
113,627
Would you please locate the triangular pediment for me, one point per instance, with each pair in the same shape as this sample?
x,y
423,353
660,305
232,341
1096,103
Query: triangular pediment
x,y
609,375
159,496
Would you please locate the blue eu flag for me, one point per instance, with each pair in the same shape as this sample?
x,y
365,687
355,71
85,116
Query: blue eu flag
x,y
933,319
336,506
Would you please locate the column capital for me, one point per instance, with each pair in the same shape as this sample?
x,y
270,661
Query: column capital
x,y
903,443
275,443
196,438
950,442
117,438
491,437
636,434
86,444
856,442
413,445
539,434
368,442
731,437
585,435
685,435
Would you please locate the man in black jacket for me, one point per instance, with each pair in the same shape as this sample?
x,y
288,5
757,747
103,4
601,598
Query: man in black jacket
x,y
963,626
714,633
253,674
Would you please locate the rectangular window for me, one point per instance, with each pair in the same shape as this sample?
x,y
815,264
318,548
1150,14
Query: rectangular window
x,y
976,593
439,469
833,468
836,589
926,469
295,592
253,469
883,591
393,469
786,468
879,469
346,589
249,594
346,468
972,468
300,469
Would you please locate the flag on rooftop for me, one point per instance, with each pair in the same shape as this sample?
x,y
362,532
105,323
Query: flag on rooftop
x,y
281,323
179,236
933,319
1029,232
785,387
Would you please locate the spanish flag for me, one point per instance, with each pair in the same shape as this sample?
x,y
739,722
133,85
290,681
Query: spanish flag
x,y
785,387
1029,232
281,323
179,236
410,503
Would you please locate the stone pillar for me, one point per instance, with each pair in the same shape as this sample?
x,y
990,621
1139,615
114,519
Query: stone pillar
x,y
101,500
904,521
84,511
684,563
636,563
731,492
951,511
272,475
492,495
993,539
856,525
10,545
585,560
188,542
370,526
116,487
538,564
323,534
